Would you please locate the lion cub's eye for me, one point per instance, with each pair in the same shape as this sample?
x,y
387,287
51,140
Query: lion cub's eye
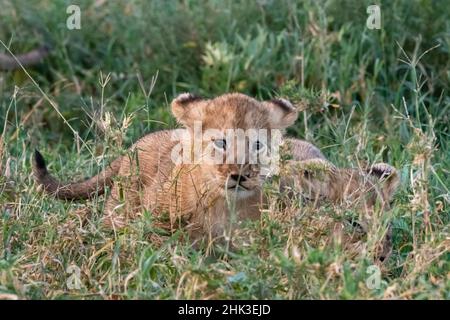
x,y
220,144
258,146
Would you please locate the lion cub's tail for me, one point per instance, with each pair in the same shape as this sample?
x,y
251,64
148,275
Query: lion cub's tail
x,y
76,190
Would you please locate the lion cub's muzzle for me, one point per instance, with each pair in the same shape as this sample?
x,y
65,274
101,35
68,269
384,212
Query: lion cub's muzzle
x,y
243,179
236,181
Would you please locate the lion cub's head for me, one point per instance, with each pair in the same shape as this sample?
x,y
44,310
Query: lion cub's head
x,y
233,137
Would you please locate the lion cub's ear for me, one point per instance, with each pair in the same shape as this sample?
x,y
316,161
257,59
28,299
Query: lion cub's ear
x,y
282,113
188,108
388,177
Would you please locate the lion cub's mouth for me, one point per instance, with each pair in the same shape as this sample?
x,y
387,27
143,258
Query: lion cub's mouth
x,y
238,187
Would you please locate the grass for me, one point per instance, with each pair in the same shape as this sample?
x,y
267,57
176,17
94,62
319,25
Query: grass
x,y
366,96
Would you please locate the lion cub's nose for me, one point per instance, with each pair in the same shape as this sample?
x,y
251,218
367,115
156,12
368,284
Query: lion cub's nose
x,y
238,177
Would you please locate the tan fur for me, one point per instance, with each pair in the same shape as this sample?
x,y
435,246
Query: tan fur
x,y
192,194
198,194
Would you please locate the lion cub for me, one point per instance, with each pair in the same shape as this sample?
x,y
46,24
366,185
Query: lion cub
x,y
207,175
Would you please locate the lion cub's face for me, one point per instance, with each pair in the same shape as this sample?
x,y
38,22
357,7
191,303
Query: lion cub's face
x,y
234,138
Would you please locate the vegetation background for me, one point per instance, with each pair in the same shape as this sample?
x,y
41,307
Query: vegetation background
x,y
365,95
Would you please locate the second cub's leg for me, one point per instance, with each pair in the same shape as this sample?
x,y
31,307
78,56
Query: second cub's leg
x,y
360,189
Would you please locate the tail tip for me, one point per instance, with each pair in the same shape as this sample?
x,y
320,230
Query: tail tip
x,y
39,160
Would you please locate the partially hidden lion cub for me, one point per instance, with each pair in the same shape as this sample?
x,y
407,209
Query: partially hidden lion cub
x,y
158,174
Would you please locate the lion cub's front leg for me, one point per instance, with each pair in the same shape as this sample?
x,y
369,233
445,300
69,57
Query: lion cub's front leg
x,y
221,217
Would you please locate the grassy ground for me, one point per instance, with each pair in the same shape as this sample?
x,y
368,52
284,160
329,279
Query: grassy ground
x,y
366,95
